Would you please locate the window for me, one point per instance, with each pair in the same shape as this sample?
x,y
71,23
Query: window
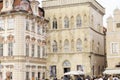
x,y
79,45
78,21
33,50
38,75
38,51
66,64
1,25
27,75
11,75
115,47
27,24
43,51
11,23
53,71
79,67
6,3
43,29
54,46
1,75
33,75
38,29
98,46
98,69
10,49
92,45
66,22
54,23
27,49
33,27
118,25
1,49
66,45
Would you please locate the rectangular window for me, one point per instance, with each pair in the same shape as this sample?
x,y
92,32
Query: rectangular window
x,y
27,24
27,75
11,23
11,75
33,50
79,68
1,75
27,49
115,47
118,25
38,51
33,75
1,25
53,71
10,49
1,49
38,29
33,27
43,51
38,75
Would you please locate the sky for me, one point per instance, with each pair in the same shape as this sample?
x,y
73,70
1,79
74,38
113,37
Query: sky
x,y
109,6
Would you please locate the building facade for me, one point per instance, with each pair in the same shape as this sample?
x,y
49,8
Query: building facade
x,y
76,39
113,40
22,39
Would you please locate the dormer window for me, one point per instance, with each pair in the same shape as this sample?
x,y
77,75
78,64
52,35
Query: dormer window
x,y
6,3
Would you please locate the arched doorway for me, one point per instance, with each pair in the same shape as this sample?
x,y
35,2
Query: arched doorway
x,y
66,66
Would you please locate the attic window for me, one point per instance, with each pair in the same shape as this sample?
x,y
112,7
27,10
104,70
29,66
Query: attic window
x,y
118,25
6,3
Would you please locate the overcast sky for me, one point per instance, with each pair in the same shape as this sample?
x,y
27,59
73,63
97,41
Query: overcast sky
x,y
109,6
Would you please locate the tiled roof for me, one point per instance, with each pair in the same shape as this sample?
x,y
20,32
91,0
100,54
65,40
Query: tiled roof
x,y
17,4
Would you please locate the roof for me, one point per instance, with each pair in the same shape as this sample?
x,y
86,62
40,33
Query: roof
x,y
18,5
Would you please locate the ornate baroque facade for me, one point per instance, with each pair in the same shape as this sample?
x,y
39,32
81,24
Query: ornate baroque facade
x,y
76,38
22,39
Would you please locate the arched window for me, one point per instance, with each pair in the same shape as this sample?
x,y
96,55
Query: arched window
x,y
79,45
54,46
66,45
78,21
66,22
54,23
66,63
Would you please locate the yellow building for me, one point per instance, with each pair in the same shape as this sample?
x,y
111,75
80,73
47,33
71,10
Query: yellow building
x,y
113,41
22,40
76,40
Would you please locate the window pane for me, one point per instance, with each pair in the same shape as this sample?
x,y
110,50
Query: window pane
x,y
10,49
10,23
115,48
66,22
38,51
1,25
27,49
33,50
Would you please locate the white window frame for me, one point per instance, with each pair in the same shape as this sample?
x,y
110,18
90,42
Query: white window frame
x,y
116,50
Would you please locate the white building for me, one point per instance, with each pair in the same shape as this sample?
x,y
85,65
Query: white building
x,y
22,39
